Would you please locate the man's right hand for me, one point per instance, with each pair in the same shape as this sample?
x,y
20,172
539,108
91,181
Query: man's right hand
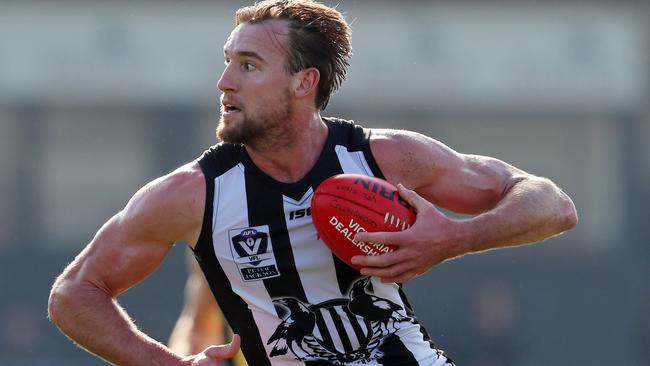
x,y
213,354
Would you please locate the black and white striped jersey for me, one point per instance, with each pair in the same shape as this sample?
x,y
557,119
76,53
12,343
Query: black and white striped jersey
x,y
279,286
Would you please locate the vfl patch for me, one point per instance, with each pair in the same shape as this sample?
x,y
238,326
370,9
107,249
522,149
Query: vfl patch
x,y
252,251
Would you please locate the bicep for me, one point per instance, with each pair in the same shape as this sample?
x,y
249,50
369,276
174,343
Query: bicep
x,y
462,183
119,257
473,184
133,243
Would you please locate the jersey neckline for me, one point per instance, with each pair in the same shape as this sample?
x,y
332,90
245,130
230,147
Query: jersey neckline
x,y
298,188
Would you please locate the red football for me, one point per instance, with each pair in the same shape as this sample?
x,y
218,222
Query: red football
x,y
349,203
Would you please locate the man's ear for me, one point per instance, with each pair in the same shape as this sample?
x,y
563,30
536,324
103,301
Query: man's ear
x,y
305,82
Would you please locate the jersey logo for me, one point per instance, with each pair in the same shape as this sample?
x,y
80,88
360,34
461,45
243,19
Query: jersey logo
x,y
300,213
339,331
252,251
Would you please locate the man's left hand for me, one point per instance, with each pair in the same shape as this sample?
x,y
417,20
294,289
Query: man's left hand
x,y
432,239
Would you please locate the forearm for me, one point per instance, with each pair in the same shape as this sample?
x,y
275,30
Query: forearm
x,y
532,210
92,319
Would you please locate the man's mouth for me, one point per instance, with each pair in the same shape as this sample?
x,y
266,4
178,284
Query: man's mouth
x,y
229,108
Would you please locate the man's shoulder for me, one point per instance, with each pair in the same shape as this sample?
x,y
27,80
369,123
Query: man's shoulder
x,y
174,201
175,188
404,155
387,140
186,178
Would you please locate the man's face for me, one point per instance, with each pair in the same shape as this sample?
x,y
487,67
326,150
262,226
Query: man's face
x,y
256,99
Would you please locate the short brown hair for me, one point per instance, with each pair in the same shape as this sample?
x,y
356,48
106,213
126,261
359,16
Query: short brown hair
x,y
318,37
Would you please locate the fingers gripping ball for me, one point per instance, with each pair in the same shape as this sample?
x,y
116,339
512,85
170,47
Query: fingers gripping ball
x,y
346,204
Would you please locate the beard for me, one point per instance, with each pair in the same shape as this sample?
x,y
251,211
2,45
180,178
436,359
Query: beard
x,y
262,130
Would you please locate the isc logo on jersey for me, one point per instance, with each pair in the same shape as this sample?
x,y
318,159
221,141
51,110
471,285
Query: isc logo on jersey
x,y
252,251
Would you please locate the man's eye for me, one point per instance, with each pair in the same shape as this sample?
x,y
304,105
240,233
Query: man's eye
x,y
248,66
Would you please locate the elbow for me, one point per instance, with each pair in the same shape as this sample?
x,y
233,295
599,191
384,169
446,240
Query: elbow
x,y
569,214
56,307
63,301
571,219
71,297
562,213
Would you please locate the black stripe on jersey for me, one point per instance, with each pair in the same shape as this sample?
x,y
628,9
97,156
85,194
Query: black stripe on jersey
x,y
232,305
395,353
343,334
324,332
358,332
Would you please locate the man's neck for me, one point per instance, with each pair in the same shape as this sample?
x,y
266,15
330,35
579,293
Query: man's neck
x,y
290,162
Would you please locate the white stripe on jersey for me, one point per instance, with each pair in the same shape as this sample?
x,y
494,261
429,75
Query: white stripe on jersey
x,y
352,162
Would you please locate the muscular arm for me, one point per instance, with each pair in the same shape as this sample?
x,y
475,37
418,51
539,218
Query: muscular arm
x,y
508,206
129,247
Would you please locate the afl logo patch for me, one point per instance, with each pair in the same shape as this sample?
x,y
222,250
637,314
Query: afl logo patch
x,y
252,251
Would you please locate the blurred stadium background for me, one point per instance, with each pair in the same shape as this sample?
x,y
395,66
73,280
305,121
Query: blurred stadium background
x,y
97,98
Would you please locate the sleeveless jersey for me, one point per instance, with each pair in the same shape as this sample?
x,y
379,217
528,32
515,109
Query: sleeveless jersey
x,y
279,286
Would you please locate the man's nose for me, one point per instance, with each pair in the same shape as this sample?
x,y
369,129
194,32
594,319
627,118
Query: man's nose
x,y
226,81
